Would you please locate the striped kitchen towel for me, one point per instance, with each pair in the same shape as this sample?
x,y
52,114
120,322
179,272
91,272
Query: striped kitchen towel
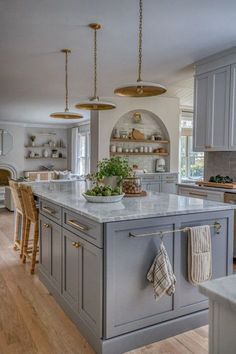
x,y
199,254
161,274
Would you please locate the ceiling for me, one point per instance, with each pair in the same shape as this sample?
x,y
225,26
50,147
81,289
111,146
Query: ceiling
x,y
32,32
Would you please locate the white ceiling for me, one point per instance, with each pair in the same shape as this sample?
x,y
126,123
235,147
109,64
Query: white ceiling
x,y
32,32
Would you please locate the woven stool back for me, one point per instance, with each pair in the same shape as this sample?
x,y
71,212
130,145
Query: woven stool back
x,y
29,203
16,195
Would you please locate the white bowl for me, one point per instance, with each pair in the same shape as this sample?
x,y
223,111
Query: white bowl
x,y
103,199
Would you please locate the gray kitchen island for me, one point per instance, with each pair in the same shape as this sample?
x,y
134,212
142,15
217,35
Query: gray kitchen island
x,y
94,259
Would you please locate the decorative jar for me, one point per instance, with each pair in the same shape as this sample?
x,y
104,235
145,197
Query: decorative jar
x,y
132,185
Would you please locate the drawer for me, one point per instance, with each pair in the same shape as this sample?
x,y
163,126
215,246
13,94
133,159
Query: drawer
x,y
201,193
151,178
50,210
83,227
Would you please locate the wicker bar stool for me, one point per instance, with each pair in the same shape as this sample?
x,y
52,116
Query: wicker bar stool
x,y
31,213
20,214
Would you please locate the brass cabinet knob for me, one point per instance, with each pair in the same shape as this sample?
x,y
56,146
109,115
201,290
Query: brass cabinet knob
x,y
76,244
46,225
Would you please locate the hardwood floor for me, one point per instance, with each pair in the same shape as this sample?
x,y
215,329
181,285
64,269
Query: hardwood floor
x,y
32,322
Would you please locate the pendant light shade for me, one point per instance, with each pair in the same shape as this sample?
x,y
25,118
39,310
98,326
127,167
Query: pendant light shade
x,y
140,88
94,104
66,114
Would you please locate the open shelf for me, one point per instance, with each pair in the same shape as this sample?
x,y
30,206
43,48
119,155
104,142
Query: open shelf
x,y
140,141
139,153
45,147
45,158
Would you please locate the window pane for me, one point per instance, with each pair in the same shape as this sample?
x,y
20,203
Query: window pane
x,y
183,167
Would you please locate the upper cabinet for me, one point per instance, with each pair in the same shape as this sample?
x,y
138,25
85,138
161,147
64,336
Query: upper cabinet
x,y
214,103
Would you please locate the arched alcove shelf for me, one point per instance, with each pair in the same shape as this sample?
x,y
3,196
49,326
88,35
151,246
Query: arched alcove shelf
x,y
141,152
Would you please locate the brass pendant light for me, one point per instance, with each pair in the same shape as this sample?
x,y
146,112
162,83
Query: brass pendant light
x,y
95,104
140,88
66,114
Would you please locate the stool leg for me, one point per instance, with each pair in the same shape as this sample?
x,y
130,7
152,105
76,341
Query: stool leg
x,y
16,230
35,245
26,239
23,230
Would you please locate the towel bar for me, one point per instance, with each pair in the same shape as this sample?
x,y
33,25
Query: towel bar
x,y
216,225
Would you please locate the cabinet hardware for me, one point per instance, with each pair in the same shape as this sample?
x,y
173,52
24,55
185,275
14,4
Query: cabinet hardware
x,y
48,210
76,244
217,226
77,225
208,146
198,194
46,225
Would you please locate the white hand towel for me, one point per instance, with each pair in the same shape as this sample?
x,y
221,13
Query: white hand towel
x,y
199,254
161,274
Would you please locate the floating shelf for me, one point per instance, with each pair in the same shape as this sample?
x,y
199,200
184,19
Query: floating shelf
x,y
45,158
140,141
139,153
44,147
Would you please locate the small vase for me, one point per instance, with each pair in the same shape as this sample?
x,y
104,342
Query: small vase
x,y
33,143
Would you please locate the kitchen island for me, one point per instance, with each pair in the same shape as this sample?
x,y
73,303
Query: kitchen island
x,y
94,259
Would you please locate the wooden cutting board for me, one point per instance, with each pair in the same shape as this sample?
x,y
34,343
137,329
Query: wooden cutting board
x,y
217,185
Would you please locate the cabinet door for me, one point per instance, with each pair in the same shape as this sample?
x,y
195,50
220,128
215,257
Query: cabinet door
x,y
232,120
83,279
50,250
155,187
201,111
189,295
218,122
130,303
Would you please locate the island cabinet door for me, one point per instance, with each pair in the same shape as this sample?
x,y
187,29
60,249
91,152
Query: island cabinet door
x,y
129,296
50,250
189,298
82,279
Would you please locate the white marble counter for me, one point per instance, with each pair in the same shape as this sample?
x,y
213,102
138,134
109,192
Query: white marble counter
x,y
193,185
69,195
222,290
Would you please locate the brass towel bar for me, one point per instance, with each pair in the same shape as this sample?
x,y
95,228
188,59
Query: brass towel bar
x,y
216,225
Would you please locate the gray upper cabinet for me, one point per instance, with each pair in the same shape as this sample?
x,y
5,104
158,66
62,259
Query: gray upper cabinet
x,y
211,110
201,111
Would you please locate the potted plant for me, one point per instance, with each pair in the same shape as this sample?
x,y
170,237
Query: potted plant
x,y
32,138
112,171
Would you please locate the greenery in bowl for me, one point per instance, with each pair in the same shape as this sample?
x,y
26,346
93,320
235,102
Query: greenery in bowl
x,y
113,167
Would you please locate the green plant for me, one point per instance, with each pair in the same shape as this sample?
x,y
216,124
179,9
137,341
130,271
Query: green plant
x,y
33,137
115,166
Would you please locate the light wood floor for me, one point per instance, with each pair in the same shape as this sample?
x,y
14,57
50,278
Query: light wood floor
x,y
31,321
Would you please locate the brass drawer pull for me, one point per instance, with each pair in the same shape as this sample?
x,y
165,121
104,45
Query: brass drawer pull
x,y
77,225
198,194
76,244
48,210
46,225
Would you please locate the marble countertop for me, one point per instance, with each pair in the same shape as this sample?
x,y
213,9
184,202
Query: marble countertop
x,y
193,185
221,290
69,195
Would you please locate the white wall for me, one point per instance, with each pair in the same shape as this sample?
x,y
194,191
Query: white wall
x,y
167,109
20,133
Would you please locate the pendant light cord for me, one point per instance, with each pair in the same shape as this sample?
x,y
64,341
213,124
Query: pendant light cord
x,y
95,64
66,81
140,40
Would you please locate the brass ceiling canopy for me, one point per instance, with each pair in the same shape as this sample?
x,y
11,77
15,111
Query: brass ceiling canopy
x,y
94,104
140,88
66,114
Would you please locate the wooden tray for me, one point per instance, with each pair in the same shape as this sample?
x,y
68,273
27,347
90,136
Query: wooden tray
x,y
142,194
217,185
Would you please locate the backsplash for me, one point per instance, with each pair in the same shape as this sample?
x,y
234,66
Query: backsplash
x,y
220,162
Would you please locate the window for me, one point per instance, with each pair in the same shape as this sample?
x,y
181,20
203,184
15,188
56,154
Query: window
x,y
83,153
191,163
80,150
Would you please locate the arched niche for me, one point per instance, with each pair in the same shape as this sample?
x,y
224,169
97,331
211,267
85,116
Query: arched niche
x,y
150,124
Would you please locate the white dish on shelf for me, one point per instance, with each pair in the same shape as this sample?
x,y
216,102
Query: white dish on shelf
x,y
103,199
